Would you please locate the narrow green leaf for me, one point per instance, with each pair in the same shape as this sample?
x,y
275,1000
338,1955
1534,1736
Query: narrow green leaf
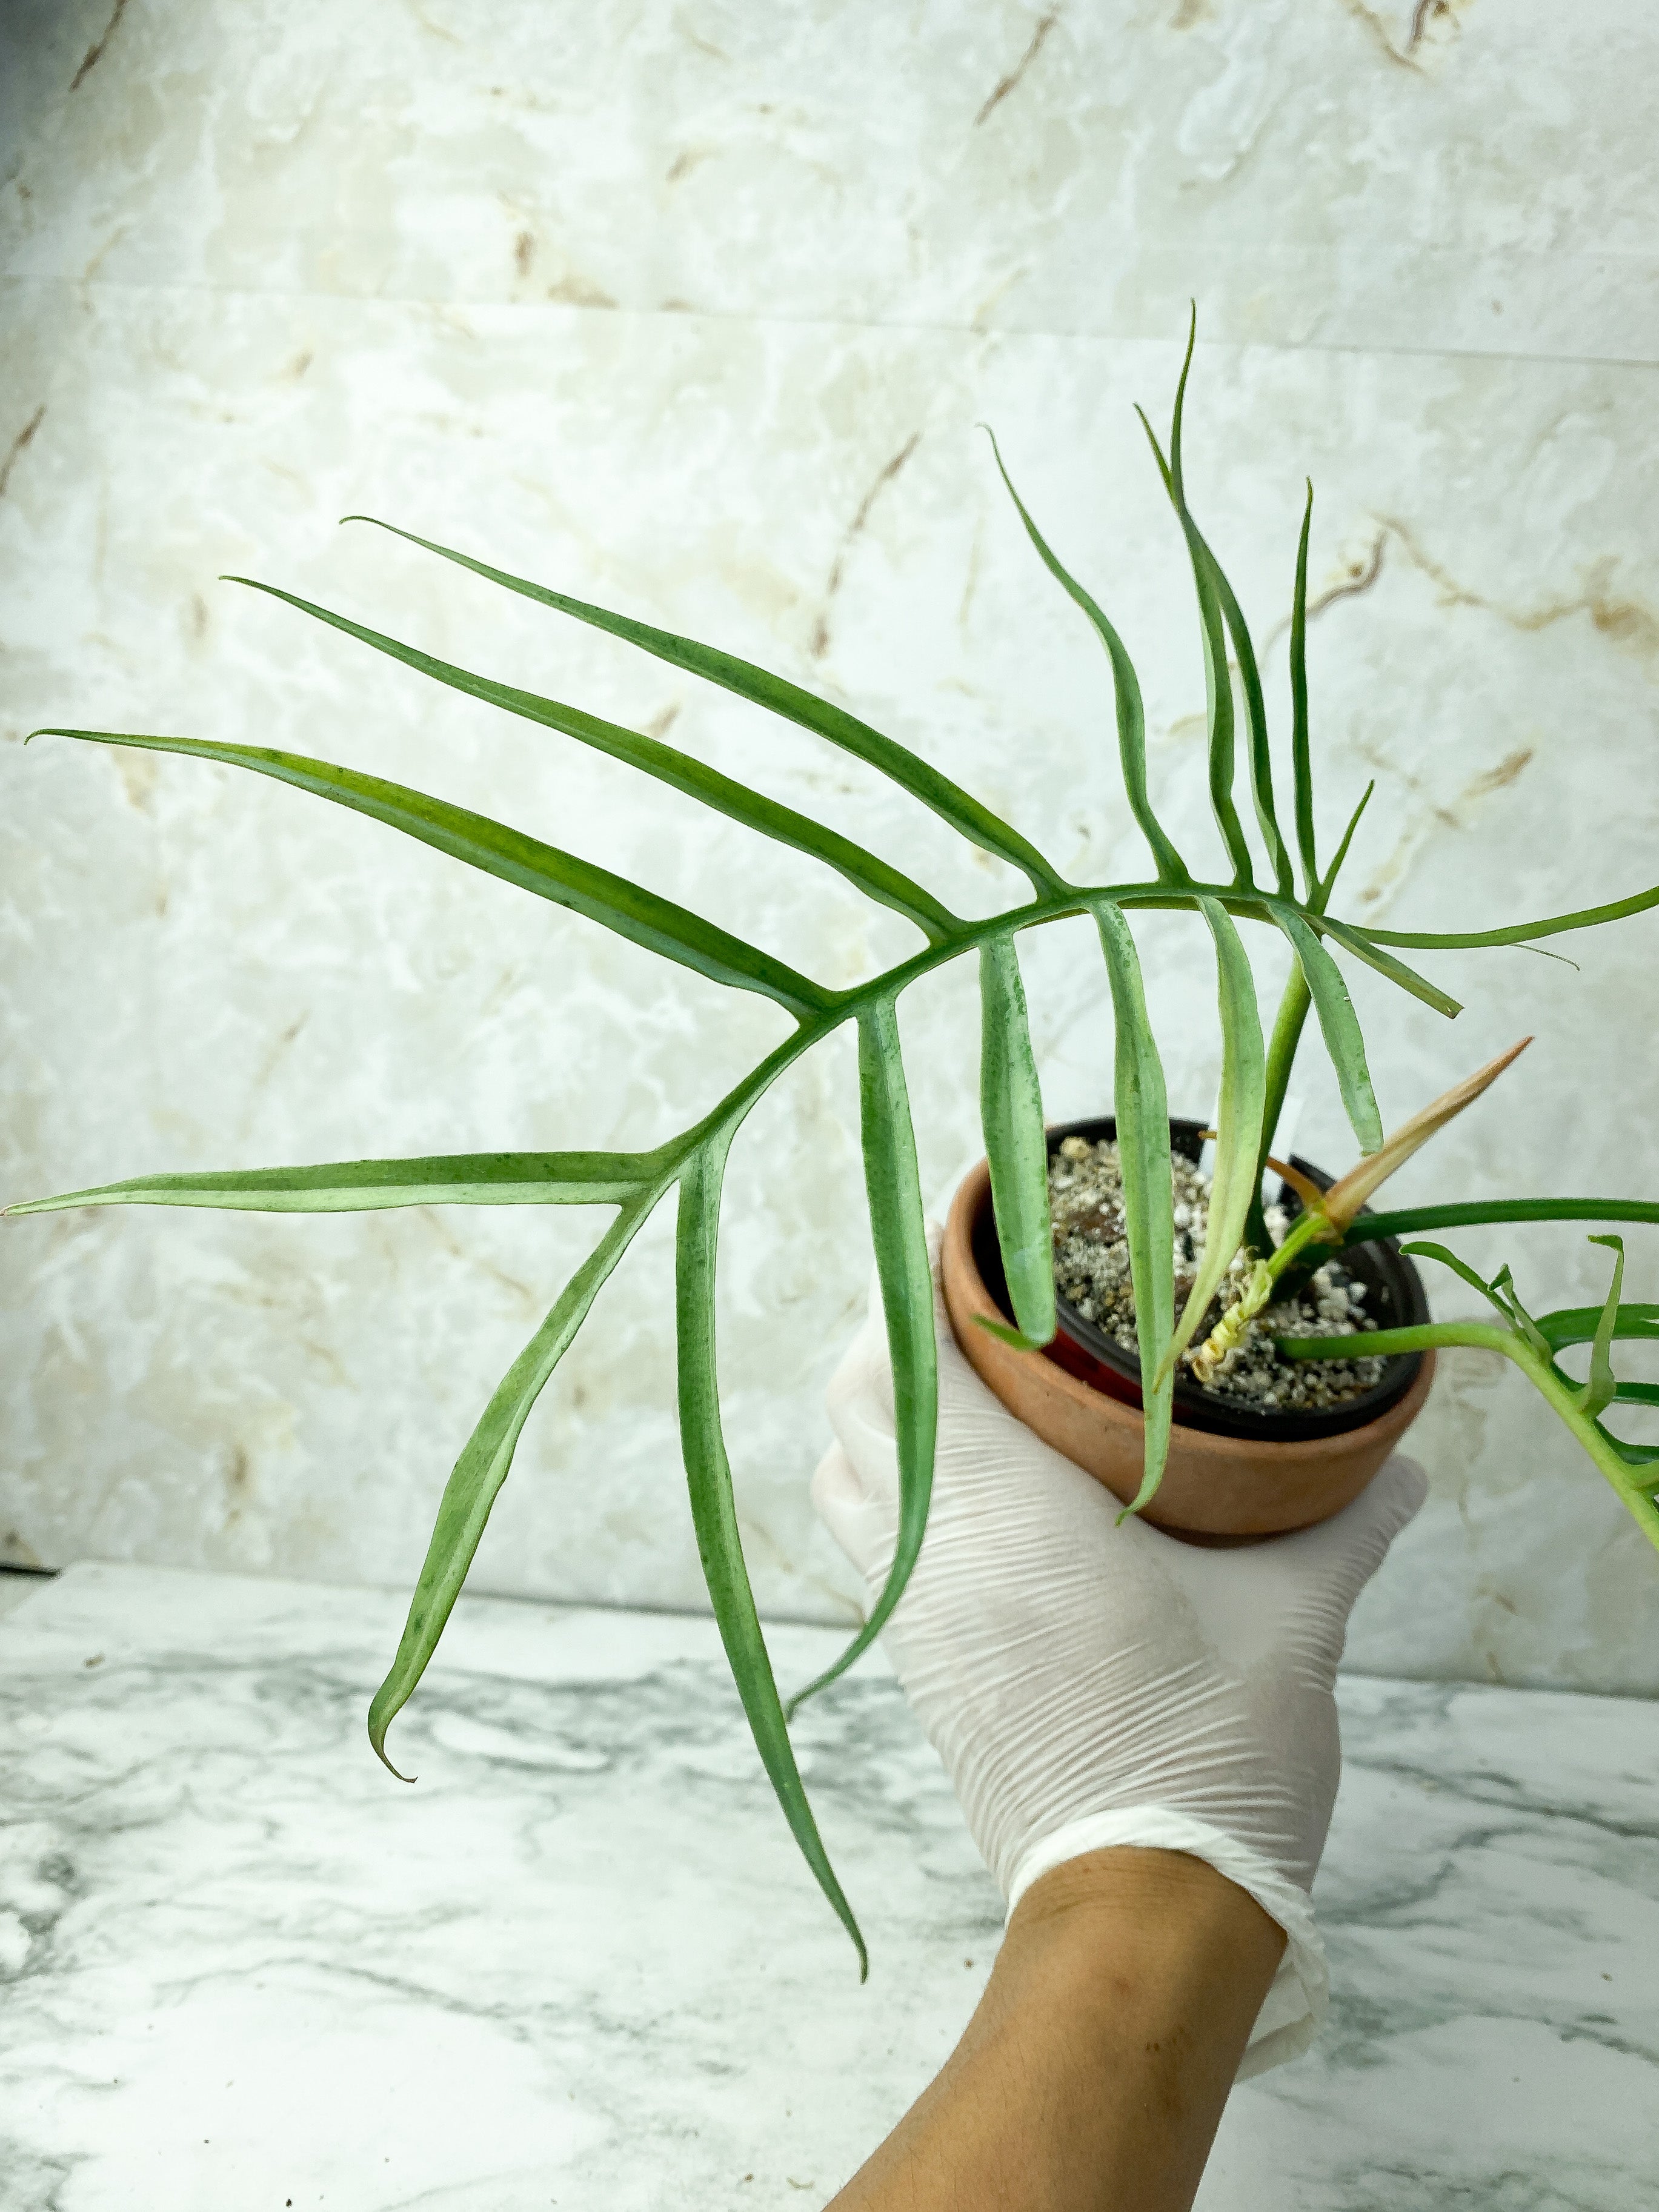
x,y
1499,1293
1639,1455
482,1467
1218,677
363,1186
713,1514
1016,1142
1005,1334
862,869
1126,688
1502,1289
1470,1214
1638,1394
1599,1390
898,1227
1301,751
947,800
626,908
1328,881
1213,586
1395,970
1634,1324
1293,1013
1238,1125
1260,754
1142,1110
1515,933
1338,1023
1427,1250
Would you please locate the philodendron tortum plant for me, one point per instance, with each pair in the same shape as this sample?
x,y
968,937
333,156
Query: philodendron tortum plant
x,y
1264,892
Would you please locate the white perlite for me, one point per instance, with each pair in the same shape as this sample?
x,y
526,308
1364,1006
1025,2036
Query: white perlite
x,y
1091,1272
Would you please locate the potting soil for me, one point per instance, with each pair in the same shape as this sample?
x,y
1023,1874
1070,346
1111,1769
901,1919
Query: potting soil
x,y
1091,1272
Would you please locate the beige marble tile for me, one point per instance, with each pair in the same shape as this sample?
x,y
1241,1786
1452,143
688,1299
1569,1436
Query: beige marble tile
x,y
205,970
1401,174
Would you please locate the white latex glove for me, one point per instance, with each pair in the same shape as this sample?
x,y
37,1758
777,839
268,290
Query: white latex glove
x,y
1087,1684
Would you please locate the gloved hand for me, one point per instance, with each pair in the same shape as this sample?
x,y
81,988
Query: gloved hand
x,y
1087,1684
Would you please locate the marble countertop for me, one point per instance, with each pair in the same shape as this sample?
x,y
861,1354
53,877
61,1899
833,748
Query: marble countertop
x,y
579,1964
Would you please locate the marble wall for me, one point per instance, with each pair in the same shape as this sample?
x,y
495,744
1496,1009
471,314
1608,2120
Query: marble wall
x,y
694,309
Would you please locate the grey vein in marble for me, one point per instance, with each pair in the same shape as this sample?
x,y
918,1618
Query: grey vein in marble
x,y
578,1964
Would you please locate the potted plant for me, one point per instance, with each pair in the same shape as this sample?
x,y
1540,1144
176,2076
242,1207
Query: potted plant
x,y
692,1164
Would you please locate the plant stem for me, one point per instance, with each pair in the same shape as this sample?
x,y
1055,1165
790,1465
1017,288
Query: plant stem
x,y
1635,1491
1281,1058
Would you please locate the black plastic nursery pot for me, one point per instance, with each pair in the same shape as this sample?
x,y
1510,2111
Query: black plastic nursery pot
x,y
1230,1474
1395,1298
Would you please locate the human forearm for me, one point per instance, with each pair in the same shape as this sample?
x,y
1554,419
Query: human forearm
x,y
1093,2074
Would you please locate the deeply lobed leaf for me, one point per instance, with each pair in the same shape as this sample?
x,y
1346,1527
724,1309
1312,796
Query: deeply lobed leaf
x,y
864,870
947,800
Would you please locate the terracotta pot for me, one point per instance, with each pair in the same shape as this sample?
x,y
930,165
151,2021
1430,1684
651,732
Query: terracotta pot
x,y
1219,1487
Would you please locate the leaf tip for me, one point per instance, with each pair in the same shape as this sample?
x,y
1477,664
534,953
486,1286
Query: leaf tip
x,y
378,1725
1006,1335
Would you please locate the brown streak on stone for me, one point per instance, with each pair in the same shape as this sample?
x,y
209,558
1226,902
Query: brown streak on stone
x,y
1626,622
18,444
95,52
1356,581
855,529
580,292
1453,815
1452,593
1008,84
1360,580
269,1068
1494,778
453,1245
524,252
1426,13
1378,30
